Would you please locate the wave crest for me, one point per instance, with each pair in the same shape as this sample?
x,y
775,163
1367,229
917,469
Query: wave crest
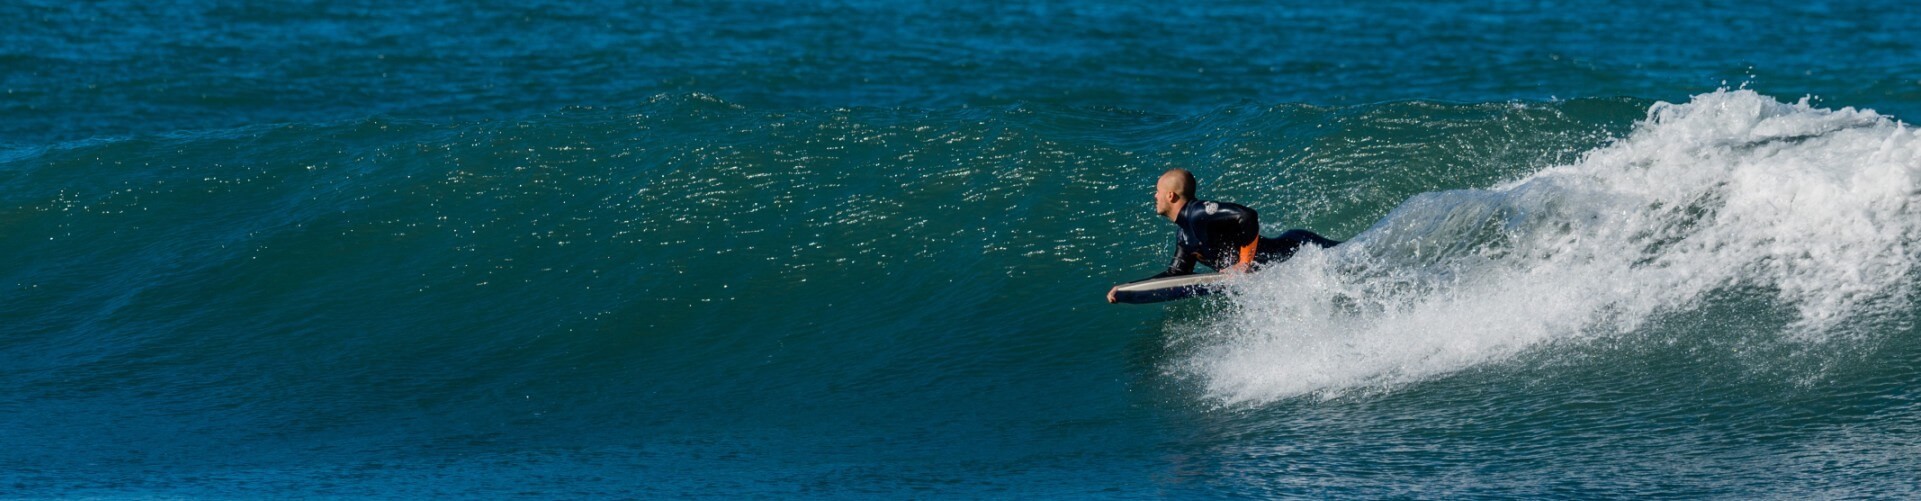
x,y
1731,190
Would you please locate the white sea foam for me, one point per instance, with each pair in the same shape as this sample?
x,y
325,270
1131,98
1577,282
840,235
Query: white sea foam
x,y
1820,208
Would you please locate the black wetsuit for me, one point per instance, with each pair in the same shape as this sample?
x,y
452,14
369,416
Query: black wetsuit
x,y
1219,234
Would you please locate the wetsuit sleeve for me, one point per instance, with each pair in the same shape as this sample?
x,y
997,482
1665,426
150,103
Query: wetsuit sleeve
x,y
1251,235
1239,228
1182,264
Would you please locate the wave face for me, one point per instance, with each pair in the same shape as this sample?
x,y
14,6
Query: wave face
x,y
903,298
1808,214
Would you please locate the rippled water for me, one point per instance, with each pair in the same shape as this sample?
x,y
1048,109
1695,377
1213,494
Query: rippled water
x,y
845,249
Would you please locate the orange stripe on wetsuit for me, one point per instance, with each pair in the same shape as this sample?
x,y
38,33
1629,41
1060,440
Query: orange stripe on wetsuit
x,y
1247,251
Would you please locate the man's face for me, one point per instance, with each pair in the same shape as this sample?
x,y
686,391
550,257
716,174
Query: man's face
x,y
1163,198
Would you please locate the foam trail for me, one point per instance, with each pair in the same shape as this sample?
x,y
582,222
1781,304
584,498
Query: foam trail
x,y
1732,189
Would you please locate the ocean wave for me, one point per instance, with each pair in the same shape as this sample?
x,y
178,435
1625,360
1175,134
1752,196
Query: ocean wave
x,y
1731,190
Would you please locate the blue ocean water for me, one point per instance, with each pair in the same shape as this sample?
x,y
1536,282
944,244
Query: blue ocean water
x,y
858,249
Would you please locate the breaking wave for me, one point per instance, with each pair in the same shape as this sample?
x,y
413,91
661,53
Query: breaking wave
x,y
1816,210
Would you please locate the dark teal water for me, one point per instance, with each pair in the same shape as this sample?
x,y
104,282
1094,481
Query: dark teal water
x,y
857,249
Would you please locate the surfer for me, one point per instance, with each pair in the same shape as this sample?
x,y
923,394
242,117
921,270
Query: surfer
x,y
1224,236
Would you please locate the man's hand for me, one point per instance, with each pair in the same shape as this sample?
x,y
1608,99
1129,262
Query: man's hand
x,y
1110,295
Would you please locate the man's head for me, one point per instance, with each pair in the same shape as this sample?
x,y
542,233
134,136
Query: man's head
x,y
1172,192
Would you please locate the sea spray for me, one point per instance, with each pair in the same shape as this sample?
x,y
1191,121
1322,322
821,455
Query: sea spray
x,y
1732,189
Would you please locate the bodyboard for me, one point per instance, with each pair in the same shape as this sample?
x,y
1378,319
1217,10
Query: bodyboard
x,y
1155,290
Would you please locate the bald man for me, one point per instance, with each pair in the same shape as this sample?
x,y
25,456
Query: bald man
x,y
1222,235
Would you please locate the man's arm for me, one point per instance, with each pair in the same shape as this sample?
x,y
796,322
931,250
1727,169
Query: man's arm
x,y
1242,226
1182,264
